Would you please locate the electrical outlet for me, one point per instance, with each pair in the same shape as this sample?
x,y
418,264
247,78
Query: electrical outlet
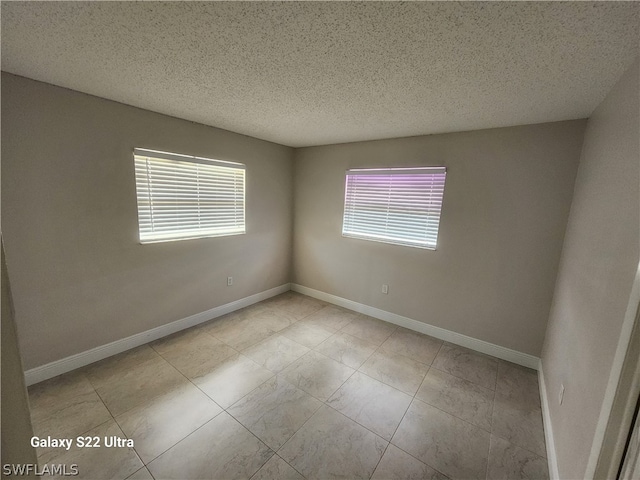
x,y
385,289
561,396
229,281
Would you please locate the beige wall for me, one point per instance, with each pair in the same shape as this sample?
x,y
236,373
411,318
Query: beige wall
x,y
80,278
599,261
15,419
506,202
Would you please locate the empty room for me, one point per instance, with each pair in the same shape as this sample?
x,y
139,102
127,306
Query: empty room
x,y
320,240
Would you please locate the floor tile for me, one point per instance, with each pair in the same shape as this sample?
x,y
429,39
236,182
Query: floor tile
x,y
331,446
399,465
181,340
140,384
281,300
300,306
520,426
422,348
243,334
397,370
274,411
371,403
273,319
306,335
459,397
102,462
232,379
275,353
50,396
519,384
347,349
112,368
509,462
437,439
331,318
467,364
157,425
369,329
277,469
221,449
194,353
253,310
272,365
224,322
142,474
317,374
75,416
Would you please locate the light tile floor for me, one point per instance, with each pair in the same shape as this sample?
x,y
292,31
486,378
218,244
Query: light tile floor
x,y
293,388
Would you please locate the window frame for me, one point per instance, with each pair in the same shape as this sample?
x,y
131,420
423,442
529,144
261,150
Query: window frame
x,y
207,220
360,219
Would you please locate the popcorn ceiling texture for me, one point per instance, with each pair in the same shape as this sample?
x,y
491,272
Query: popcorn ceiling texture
x,y
307,73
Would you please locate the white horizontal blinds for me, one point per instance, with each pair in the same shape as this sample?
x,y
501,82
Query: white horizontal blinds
x,y
394,205
183,197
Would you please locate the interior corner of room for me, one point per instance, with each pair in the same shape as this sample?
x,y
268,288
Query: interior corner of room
x,y
536,263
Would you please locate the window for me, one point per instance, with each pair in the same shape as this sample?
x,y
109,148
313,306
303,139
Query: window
x,y
394,205
181,197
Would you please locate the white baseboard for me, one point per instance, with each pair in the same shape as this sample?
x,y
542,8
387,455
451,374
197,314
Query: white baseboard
x,y
421,327
552,459
78,360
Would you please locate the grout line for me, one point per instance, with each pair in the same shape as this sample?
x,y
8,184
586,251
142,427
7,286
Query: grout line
x,y
144,467
401,419
297,388
518,446
380,459
357,423
106,406
421,461
155,397
181,440
464,379
294,468
486,470
259,440
453,415
493,408
370,431
304,423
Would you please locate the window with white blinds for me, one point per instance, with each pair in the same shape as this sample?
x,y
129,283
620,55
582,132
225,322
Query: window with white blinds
x,y
394,205
182,197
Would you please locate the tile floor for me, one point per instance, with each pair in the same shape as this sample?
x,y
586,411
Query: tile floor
x,y
293,388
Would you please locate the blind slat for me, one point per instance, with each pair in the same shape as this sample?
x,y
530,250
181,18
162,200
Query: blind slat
x,y
182,197
399,206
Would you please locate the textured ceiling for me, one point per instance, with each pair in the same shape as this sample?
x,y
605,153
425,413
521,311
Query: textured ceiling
x,y
307,73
